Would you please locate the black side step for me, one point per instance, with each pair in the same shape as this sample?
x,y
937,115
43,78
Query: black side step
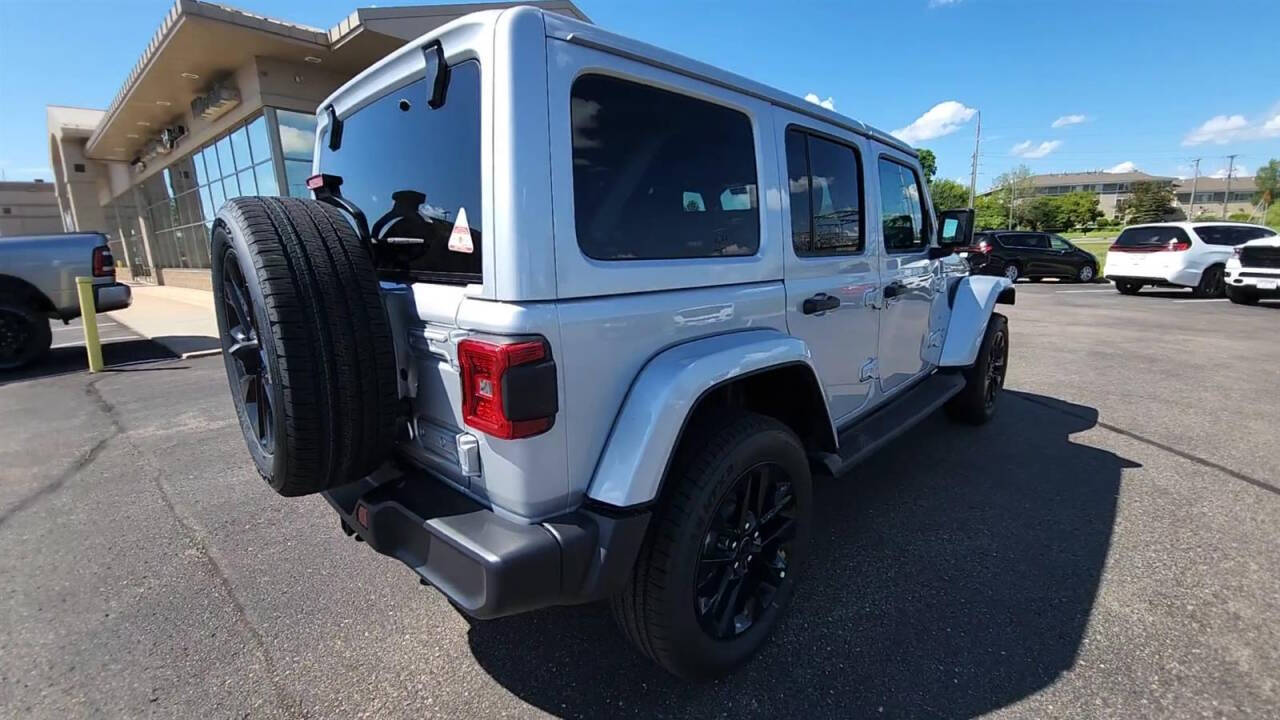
x,y
870,433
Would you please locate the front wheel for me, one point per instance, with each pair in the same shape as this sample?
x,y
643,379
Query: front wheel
x,y
1240,296
718,568
984,381
1085,274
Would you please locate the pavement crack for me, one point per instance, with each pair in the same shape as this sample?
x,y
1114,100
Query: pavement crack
x,y
1203,462
287,704
85,460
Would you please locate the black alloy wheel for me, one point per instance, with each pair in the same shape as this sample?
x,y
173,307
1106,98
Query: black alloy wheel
x,y
999,360
253,383
745,549
1212,283
15,335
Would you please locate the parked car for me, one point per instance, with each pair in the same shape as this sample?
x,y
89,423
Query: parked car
x,y
38,283
1253,272
1177,254
540,337
1032,255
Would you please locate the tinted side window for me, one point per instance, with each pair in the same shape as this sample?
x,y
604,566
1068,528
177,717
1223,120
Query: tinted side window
x,y
1059,243
902,216
658,175
1220,235
415,172
826,195
1039,242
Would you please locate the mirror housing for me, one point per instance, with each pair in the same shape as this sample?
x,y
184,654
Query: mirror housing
x,y
955,228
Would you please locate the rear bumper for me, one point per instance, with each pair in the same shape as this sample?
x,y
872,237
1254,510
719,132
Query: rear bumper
x,y
116,296
486,564
1180,278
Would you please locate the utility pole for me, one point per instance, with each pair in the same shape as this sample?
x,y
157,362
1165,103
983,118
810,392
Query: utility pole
x,y
973,174
1191,201
1226,197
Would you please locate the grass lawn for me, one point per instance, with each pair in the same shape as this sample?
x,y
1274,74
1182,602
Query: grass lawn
x,y
1098,247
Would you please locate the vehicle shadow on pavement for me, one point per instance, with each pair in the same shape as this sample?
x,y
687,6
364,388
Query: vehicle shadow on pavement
x,y
952,574
70,359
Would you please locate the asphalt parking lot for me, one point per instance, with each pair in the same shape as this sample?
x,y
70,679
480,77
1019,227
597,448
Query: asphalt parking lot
x,y
1106,548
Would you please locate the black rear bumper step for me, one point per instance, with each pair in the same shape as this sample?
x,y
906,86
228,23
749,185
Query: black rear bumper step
x,y
486,564
868,434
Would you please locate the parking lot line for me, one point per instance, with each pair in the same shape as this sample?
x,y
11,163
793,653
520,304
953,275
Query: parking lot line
x,y
1060,292
77,327
1203,300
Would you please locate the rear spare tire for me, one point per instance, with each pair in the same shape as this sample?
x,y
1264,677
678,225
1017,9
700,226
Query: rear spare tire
x,y
306,342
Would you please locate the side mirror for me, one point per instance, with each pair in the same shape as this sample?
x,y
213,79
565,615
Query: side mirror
x,y
956,228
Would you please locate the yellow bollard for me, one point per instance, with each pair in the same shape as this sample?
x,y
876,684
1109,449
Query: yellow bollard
x,y
89,319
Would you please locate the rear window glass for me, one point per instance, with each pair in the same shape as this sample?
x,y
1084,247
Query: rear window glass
x,y
415,173
1151,236
659,175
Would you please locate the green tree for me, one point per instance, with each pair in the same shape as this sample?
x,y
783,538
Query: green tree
x,y
1016,186
1149,202
1273,216
1078,209
1268,180
990,212
928,163
948,195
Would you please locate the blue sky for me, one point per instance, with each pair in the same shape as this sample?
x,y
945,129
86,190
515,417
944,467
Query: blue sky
x,y
1152,84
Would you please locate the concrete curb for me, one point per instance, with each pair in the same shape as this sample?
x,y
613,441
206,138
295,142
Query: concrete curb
x,y
200,353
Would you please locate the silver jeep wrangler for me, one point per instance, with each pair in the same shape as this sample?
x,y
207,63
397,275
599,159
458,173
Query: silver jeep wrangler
x,y
574,318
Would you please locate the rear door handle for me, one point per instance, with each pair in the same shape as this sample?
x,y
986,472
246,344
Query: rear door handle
x,y
821,302
892,290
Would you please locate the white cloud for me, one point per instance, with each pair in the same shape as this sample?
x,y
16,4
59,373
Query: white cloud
x,y
1066,120
1236,172
1027,149
297,141
1125,167
829,103
941,119
1222,129
942,3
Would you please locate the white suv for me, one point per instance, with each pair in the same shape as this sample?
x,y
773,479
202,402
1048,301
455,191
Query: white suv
x,y
1254,272
1178,254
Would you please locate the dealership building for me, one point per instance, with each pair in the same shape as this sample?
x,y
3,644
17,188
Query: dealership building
x,y
220,104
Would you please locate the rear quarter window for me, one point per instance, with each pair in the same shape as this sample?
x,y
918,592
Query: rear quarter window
x,y
415,173
659,175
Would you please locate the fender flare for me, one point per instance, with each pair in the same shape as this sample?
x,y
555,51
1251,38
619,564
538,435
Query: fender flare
x,y
972,302
665,392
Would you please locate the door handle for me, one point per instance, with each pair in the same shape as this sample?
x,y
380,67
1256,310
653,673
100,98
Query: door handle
x,y
892,290
821,302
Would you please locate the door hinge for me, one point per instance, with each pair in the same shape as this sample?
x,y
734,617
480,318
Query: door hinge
x,y
870,371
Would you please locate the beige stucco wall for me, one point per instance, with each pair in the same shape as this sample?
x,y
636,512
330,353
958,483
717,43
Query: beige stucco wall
x,y
28,209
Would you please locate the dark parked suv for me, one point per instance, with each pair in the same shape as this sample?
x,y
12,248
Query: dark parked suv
x,y
1031,255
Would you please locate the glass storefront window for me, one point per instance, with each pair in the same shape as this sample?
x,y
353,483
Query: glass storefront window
x,y
225,157
296,173
259,145
247,185
240,147
266,175
297,135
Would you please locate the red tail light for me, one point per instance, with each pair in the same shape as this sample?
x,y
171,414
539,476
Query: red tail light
x,y
104,265
984,247
1176,246
508,390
